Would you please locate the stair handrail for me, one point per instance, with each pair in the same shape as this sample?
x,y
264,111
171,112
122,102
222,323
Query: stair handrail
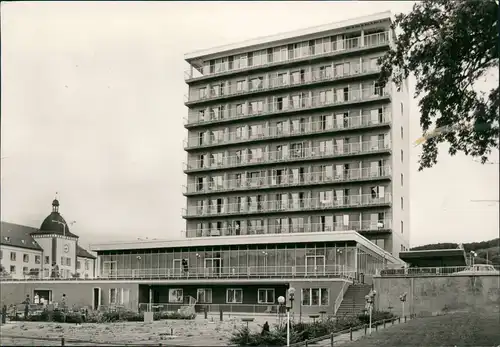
x,y
340,297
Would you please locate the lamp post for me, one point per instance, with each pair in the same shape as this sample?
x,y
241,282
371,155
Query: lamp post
x,y
369,303
402,298
472,256
289,306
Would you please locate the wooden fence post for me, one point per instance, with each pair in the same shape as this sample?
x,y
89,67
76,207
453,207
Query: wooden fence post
x,y
306,343
62,341
405,319
366,327
350,333
331,339
384,323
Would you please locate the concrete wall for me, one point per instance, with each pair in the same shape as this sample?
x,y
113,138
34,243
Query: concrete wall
x,y
77,293
427,295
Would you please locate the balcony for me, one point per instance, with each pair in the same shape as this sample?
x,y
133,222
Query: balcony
x,y
355,44
302,129
234,272
289,205
285,156
366,226
286,181
223,114
315,77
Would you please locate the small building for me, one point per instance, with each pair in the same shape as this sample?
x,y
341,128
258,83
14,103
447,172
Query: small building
x,y
51,251
435,258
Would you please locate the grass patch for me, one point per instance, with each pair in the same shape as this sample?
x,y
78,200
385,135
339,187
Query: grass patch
x,y
459,329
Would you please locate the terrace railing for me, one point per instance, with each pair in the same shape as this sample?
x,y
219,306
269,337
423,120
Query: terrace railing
x,y
438,271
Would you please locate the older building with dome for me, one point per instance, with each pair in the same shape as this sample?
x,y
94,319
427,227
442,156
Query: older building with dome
x,y
51,251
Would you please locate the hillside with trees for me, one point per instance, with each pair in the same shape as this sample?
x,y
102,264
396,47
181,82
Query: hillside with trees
x,y
488,252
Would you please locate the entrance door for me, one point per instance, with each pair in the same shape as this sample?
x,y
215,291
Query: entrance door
x,y
213,266
178,268
43,293
315,265
109,269
96,296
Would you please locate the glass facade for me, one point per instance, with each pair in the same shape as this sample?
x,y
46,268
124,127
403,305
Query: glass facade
x,y
270,260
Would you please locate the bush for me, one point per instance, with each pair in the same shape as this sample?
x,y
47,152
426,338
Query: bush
x,y
376,316
173,315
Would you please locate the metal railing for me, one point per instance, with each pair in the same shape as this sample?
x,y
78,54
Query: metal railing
x,y
288,205
258,156
296,102
438,271
294,128
289,180
234,272
268,308
284,56
340,297
360,226
261,84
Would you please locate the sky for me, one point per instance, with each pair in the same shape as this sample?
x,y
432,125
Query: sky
x,y
92,108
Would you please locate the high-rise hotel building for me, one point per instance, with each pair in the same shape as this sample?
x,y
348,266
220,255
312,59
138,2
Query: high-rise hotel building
x,y
291,133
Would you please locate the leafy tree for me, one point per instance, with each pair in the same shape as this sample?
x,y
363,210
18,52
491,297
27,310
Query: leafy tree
x,y
449,46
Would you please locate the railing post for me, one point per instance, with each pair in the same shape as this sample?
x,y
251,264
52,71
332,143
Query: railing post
x,y
376,326
350,333
331,340
384,323
306,343
62,341
399,319
405,319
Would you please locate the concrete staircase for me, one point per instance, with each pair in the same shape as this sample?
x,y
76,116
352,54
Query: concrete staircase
x,y
354,300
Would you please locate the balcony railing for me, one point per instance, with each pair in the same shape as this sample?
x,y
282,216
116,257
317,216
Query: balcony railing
x,y
360,226
283,57
283,156
290,205
211,138
277,271
289,180
264,308
276,83
296,103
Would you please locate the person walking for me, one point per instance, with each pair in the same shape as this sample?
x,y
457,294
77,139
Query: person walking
x,y
27,303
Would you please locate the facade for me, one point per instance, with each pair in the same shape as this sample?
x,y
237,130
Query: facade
x,y
47,252
292,134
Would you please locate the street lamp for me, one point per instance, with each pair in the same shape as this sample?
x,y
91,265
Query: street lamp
x,y
472,256
402,298
289,306
369,305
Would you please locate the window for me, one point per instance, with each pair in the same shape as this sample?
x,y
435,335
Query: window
x,y
234,296
402,227
401,155
204,295
401,180
13,256
118,296
239,86
402,204
175,295
1,254
25,270
402,248
38,259
315,296
47,259
265,296
203,92
402,132
87,265
401,109
239,109
26,258
78,265
12,269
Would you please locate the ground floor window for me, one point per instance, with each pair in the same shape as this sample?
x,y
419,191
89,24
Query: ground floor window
x,y
265,296
119,296
234,296
175,295
204,296
315,296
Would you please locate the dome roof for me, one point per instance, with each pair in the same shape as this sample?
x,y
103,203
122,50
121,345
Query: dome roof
x,y
55,223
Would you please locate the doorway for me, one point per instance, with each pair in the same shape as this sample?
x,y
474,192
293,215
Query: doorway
x,y
315,265
43,293
212,266
96,298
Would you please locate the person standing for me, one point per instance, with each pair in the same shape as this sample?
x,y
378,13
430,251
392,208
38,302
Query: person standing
x,y
27,303
63,302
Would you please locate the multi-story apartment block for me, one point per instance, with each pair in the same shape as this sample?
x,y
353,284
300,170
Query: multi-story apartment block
x,y
293,134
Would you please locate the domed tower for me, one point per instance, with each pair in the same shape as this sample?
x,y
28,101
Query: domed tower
x,y
59,244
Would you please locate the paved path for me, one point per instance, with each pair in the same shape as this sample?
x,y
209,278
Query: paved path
x,y
341,339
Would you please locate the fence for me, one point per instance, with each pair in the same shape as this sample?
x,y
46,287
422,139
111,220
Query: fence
x,y
474,270
263,309
361,330
15,340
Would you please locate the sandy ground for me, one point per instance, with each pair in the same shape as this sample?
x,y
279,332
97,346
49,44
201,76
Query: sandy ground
x,y
198,332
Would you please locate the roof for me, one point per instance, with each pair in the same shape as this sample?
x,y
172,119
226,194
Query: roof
x,y
55,223
449,257
289,35
248,239
16,235
83,253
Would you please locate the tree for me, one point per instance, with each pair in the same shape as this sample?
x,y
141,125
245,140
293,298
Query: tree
x,y
449,46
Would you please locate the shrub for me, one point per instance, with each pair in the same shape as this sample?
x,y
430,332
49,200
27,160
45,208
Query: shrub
x,y
173,315
376,316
